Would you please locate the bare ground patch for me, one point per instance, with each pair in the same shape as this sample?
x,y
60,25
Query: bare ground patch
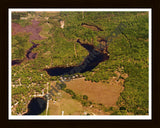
x,y
105,93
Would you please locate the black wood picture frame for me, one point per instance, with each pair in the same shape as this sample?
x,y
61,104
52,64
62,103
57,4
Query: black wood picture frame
x,y
153,4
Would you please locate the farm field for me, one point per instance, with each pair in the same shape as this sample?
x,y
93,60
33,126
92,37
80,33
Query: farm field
x,y
49,45
107,94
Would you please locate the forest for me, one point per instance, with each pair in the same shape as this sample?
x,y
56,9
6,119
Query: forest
x,y
129,53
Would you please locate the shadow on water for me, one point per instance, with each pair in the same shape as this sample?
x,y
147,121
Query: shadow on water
x,y
36,106
14,62
90,62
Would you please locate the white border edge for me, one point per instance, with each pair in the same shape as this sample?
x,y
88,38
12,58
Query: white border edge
x,y
150,63
9,64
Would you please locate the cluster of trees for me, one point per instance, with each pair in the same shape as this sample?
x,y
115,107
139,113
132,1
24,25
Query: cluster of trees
x,y
85,102
16,15
20,43
129,50
16,18
82,98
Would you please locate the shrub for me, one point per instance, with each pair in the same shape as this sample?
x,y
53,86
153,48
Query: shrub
x,y
122,108
85,97
63,86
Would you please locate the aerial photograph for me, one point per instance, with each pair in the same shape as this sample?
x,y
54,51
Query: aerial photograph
x,y
85,63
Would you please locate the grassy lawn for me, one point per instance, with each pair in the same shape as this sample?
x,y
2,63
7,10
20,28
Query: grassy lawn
x,y
66,104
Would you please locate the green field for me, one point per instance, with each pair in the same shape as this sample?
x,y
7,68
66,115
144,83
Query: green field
x,y
128,54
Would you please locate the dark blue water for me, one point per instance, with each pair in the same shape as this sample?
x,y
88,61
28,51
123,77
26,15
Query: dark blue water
x,y
89,63
14,62
36,106
29,55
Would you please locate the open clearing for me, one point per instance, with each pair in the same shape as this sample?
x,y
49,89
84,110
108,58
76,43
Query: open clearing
x,y
66,104
105,93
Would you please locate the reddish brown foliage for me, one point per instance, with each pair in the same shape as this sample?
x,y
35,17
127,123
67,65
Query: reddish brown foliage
x,y
34,29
